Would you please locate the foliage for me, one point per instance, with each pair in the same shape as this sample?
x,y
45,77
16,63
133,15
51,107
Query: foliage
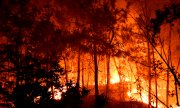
x,y
35,82
72,98
166,15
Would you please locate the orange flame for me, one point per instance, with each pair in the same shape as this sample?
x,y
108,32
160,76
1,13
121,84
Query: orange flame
x,y
57,93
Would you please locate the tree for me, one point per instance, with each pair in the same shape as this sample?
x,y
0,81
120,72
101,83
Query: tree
x,y
167,15
18,29
153,38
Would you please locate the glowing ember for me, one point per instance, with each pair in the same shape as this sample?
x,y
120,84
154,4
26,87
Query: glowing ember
x,y
73,85
64,89
57,93
37,99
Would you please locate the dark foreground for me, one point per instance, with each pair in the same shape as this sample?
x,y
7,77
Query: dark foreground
x,y
88,103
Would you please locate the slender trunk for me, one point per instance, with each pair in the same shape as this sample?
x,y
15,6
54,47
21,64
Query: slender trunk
x,y
147,35
78,72
156,87
79,64
169,62
96,74
176,88
167,89
82,74
108,75
89,68
155,72
149,74
87,84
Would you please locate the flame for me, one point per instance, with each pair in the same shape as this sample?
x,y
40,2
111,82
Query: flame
x,y
114,79
37,99
57,93
143,98
64,89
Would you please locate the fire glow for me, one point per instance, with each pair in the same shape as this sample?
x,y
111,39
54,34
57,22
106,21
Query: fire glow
x,y
114,78
56,93
132,93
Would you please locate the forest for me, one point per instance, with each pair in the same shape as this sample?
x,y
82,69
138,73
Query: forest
x,y
89,53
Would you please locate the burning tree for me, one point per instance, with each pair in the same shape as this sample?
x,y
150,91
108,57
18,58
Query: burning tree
x,y
159,58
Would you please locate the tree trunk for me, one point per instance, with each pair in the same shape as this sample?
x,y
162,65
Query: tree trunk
x,y
88,77
149,75
96,74
176,88
78,72
82,74
155,72
169,62
147,35
156,87
167,89
108,75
